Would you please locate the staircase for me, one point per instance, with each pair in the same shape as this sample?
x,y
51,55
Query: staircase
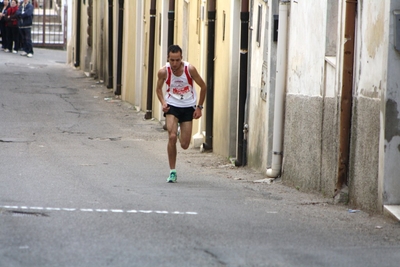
x,y
48,25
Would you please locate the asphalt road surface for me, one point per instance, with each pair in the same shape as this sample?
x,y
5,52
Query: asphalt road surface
x,y
83,183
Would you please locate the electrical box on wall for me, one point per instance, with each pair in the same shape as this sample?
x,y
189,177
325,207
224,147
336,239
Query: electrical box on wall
x,y
397,30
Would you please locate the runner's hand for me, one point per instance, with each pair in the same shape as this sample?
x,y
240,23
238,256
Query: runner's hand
x,y
165,107
197,113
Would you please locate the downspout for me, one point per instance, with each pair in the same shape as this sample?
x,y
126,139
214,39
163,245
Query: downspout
x,y
198,138
149,107
244,44
171,19
347,95
120,45
78,34
280,91
110,45
208,145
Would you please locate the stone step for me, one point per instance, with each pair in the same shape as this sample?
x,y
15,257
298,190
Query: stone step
x,y
393,211
47,19
51,15
51,43
51,37
50,27
49,12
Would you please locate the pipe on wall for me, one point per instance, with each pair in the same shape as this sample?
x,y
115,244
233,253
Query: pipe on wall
x,y
150,75
346,95
171,20
280,92
78,34
110,45
210,75
244,45
120,46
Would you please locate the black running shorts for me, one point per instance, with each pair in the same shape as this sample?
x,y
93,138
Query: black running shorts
x,y
183,114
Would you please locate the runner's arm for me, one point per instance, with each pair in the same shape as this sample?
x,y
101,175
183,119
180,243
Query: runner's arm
x,y
161,77
200,82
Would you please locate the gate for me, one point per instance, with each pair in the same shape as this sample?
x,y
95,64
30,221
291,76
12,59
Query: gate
x,y
49,28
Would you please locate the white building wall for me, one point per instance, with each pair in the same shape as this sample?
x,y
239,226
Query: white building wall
x,y
262,71
390,116
306,49
371,53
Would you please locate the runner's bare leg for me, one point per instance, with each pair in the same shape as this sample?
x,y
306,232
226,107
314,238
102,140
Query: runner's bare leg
x,y
172,127
186,134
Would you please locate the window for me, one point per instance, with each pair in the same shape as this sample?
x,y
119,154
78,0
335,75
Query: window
x,y
331,28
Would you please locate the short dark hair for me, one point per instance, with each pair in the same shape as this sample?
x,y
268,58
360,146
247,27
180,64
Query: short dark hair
x,y
174,49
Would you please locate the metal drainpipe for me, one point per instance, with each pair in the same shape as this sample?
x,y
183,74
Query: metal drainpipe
x,y
120,45
149,111
347,95
280,91
171,19
78,34
244,45
110,45
210,75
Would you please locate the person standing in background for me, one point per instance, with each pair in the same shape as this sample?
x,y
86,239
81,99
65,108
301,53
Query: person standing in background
x,y
4,6
25,18
12,29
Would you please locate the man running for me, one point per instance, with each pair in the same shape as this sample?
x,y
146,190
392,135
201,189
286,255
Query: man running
x,y
179,104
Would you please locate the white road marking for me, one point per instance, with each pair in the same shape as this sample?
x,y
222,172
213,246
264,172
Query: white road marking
x,y
101,210
178,212
117,211
98,210
53,209
145,211
66,209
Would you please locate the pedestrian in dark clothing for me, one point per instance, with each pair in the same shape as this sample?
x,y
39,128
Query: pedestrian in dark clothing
x,y
25,18
12,29
4,7
1,14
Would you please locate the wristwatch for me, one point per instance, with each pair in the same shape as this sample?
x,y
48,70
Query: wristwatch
x,y
200,106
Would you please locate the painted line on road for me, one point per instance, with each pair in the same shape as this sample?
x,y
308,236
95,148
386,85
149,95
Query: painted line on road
x,y
100,210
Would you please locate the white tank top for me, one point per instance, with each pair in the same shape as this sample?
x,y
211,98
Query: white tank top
x,y
180,89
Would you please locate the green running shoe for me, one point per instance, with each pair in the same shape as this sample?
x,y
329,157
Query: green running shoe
x,y
172,177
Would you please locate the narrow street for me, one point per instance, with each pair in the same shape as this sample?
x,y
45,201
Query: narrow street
x,y
83,183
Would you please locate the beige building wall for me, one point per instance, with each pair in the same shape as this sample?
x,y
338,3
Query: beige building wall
x,y
146,18
129,52
85,52
97,63
196,55
160,47
262,55
226,80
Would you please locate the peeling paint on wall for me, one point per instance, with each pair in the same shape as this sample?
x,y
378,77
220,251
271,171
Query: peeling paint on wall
x,y
374,36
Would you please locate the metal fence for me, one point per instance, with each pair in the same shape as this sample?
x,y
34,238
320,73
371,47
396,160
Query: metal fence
x,y
49,24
